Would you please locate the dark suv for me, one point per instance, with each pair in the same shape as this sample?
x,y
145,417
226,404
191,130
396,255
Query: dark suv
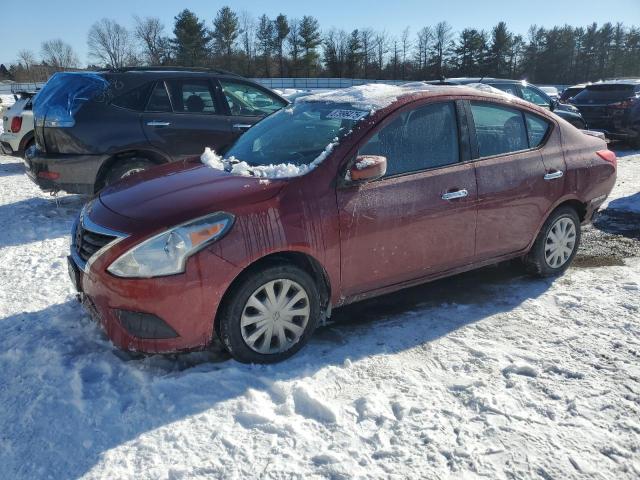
x,y
528,92
612,106
94,128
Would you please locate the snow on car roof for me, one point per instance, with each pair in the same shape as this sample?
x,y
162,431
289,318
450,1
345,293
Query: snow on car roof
x,y
373,96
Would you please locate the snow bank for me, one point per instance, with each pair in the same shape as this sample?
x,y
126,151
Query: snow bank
x,y
279,170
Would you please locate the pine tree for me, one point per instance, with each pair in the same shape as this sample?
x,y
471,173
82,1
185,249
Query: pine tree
x,y
191,40
499,53
281,31
310,40
226,29
265,42
353,54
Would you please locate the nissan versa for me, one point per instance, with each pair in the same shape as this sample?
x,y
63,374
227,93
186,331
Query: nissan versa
x,y
384,187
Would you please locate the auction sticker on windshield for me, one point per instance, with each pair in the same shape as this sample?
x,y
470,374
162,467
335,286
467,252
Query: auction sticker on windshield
x,y
348,114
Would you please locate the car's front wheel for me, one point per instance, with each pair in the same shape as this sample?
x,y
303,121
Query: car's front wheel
x,y
556,244
270,314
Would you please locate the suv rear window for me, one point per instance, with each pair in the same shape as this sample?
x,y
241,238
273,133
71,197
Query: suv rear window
x,y
606,93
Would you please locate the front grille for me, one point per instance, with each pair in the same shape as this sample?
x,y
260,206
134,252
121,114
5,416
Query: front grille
x,y
88,242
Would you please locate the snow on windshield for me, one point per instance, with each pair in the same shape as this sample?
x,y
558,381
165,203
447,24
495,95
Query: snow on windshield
x,y
279,170
362,100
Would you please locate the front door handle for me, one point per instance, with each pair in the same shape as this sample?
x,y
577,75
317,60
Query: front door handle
x,y
242,126
455,194
157,123
552,175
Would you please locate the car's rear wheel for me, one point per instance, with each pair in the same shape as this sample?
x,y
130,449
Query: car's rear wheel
x,y
556,244
270,314
126,168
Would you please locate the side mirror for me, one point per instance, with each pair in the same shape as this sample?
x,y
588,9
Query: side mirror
x,y
553,104
367,168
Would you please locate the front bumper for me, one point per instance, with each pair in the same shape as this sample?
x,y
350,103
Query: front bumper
x,y
186,303
73,173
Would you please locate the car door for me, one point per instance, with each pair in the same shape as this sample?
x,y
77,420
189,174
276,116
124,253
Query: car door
x,y
419,219
247,104
183,117
513,195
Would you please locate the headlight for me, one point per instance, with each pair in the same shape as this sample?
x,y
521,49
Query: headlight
x,y
167,253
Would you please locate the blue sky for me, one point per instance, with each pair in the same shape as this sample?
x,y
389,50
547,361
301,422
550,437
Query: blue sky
x,y
37,20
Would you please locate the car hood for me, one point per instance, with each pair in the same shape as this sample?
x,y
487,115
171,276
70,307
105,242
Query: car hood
x,y
174,193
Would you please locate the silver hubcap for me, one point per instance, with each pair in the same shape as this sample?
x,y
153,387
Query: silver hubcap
x,y
275,316
128,173
560,243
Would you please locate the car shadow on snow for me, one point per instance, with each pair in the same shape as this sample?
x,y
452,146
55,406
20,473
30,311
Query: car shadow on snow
x,y
69,396
38,218
7,169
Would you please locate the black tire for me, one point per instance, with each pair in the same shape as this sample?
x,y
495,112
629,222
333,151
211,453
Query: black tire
x,y
535,261
127,167
229,316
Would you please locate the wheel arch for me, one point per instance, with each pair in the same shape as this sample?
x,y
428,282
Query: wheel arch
x,y
303,260
109,163
569,201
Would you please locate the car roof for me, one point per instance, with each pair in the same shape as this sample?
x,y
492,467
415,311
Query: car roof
x,y
619,81
170,72
379,97
465,80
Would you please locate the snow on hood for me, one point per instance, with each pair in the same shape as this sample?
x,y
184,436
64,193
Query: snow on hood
x,y
278,170
373,96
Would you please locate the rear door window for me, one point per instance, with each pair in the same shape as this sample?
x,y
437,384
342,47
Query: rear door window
x,y
247,100
537,129
499,129
193,96
418,139
159,100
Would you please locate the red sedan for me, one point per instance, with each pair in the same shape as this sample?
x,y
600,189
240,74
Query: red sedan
x,y
339,197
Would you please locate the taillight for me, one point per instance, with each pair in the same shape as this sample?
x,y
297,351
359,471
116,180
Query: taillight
x,y
608,156
16,124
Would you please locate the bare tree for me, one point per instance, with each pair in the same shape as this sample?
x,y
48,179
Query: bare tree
x,y
425,37
248,39
406,45
442,36
367,41
155,44
110,43
59,54
382,47
295,44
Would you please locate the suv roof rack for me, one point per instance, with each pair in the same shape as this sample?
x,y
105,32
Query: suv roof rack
x,y
167,68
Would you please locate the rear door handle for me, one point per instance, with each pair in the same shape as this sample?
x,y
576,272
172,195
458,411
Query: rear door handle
x,y
242,126
553,175
456,194
157,123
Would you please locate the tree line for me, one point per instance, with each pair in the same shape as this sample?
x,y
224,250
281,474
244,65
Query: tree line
x,y
292,47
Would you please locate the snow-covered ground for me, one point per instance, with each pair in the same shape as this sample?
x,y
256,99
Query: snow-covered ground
x,y
489,374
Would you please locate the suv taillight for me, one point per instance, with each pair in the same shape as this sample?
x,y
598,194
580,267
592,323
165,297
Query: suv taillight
x,y
16,124
608,156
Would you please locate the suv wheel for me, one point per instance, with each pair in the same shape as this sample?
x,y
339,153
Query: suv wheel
x,y
126,168
556,244
270,315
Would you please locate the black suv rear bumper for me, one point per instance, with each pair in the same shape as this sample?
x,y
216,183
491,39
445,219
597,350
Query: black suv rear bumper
x,y
68,172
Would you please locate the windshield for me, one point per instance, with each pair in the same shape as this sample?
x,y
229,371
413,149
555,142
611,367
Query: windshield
x,y
295,135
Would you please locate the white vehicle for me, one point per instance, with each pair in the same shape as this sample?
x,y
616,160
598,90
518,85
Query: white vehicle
x,y
551,91
6,100
17,123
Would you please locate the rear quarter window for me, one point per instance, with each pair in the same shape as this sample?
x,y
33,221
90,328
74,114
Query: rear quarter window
x,y
537,129
134,99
